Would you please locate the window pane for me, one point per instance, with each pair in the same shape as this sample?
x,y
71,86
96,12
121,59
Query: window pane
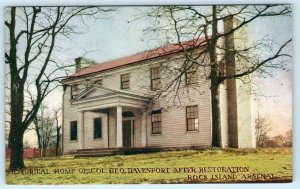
x,y
156,122
73,130
189,115
188,109
196,124
154,118
192,118
97,128
154,73
155,78
190,127
125,85
74,90
98,82
195,115
159,117
191,77
125,77
125,81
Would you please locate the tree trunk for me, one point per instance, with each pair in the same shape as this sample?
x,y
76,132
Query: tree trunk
x,y
214,76
17,128
39,139
16,145
216,126
57,140
17,102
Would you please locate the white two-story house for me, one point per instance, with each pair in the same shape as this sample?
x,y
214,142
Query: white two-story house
x,y
126,103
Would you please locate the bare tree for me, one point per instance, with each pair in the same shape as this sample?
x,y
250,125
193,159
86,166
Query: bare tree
x,y
33,33
196,32
289,138
45,128
57,114
262,130
284,140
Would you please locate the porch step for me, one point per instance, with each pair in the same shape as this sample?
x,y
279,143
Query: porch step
x,y
93,155
99,149
101,152
97,152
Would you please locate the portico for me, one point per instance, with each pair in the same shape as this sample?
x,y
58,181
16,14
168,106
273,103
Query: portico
x,y
122,115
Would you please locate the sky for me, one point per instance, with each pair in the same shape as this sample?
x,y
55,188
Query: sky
x,y
118,36
277,105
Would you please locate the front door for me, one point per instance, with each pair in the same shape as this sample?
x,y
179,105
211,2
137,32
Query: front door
x,y
127,133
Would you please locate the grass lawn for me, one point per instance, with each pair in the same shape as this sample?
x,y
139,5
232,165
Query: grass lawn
x,y
261,165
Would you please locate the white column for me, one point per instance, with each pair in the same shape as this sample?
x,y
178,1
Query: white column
x,y
119,127
81,129
105,136
143,129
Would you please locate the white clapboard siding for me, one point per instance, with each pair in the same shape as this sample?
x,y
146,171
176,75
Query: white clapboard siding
x,y
69,114
174,129
89,140
224,114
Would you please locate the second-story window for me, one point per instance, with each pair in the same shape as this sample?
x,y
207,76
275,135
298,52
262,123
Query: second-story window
x,y
98,82
88,83
125,78
191,74
74,91
155,78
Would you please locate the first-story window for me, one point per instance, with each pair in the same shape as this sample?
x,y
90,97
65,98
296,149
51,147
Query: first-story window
x,y
156,122
125,78
97,128
192,118
73,130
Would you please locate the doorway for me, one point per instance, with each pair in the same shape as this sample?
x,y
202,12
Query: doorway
x,y
127,128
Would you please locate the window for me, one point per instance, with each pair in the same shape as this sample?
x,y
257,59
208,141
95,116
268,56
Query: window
x,y
191,74
155,78
97,128
74,91
156,122
125,81
98,82
73,133
192,118
88,83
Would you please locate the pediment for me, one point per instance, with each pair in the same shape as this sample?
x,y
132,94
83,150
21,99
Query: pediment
x,y
95,92
100,92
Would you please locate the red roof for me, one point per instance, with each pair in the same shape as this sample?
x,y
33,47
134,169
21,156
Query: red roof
x,y
145,55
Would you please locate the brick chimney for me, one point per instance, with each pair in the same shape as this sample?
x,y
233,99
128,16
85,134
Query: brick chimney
x,y
82,62
78,64
240,119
